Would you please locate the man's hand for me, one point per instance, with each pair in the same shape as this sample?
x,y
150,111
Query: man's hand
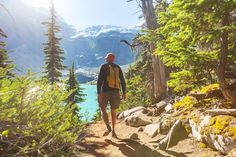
x,y
124,96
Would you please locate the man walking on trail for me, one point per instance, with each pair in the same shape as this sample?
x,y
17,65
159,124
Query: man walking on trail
x,y
110,79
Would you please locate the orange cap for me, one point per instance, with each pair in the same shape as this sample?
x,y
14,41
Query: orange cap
x,y
110,57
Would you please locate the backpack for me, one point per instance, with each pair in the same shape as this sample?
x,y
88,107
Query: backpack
x,y
113,79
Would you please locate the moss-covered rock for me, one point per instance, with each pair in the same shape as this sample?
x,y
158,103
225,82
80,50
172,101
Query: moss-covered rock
x,y
220,125
216,132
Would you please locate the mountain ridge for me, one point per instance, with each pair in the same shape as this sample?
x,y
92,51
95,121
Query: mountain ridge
x,y
26,37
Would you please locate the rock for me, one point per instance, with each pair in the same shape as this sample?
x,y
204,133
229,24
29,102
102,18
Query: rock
x,y
197,128
232,153
134,136
140,129
133,111
169,108
152,129
81,148
137,120
176,134
220,143
159,107
223,144
165,125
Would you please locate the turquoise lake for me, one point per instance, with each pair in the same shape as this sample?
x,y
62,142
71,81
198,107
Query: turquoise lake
x,y
89,107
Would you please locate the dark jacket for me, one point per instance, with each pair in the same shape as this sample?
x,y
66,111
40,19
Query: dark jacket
x,y
102,85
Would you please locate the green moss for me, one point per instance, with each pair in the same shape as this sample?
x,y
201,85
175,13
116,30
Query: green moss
x,y
187,102
209,88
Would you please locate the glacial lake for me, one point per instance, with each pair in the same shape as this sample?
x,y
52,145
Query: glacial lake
x,y
89,107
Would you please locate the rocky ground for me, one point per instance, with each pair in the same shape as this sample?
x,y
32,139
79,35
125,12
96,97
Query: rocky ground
x,y
95,145
201,124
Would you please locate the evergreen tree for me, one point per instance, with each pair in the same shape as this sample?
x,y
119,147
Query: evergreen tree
x,y
54,53
73,86
5,64
197,40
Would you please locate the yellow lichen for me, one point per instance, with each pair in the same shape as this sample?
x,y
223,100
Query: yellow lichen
x,y
232,132
210,88
187,102
218,125
202,145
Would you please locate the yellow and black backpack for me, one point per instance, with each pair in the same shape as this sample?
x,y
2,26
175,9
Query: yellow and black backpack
x,y
113,79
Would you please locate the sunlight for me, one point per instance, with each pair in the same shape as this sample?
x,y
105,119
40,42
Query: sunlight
x,y
38,3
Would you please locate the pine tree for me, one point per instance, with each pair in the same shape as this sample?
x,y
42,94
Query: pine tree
x,y
73,86
5,64
54,53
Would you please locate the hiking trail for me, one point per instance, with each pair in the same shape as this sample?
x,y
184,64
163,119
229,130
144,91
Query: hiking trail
x,y
96,145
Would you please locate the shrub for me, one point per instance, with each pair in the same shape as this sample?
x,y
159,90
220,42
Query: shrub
x,y
35,119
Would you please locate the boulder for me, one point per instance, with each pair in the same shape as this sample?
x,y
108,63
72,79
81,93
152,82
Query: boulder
x,y
152,129
176,134
133,111
137,120
197,128
216,141
220,143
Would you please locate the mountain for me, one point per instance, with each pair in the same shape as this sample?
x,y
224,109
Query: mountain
x,y
89,46
26,34
86,47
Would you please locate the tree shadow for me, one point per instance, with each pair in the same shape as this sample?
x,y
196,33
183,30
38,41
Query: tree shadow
x,y
92,147
176,153
131,148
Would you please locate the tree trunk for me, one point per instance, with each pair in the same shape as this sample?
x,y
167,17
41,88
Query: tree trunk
x,y
159,84
228,94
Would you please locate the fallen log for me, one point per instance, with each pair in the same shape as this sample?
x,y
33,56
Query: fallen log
x,y
214,112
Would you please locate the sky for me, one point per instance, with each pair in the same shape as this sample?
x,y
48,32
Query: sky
x,y
86,13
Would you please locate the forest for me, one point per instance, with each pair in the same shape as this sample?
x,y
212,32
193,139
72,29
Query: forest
x,y
186,54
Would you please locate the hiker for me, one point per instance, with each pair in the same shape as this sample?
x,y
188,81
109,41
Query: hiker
x,y
110,79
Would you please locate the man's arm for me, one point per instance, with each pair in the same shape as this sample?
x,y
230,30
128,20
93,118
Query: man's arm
x,y
122,81
100,79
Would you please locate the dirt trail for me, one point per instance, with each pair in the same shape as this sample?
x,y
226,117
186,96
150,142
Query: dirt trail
x,y
98,146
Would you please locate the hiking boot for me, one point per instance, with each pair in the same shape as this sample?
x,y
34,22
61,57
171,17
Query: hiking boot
x,y
108,130
106,133
113,134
